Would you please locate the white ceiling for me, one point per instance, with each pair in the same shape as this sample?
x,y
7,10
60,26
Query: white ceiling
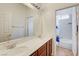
x,y
48,6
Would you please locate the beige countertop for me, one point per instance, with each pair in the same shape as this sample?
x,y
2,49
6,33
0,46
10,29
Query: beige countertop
x,y
23,46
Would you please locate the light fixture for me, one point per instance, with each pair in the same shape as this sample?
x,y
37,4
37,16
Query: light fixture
x,y
36,5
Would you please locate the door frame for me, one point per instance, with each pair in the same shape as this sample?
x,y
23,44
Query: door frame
x,y
77,25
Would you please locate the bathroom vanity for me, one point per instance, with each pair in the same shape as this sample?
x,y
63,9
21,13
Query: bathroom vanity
x,y
44,50
27,46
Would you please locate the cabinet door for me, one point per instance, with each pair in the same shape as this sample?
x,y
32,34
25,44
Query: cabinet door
x,y
43,53
42,50
48,48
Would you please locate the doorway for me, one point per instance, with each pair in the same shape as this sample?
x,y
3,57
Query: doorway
x,y
66,31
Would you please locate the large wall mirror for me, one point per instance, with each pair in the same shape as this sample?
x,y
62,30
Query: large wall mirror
x,y
16,21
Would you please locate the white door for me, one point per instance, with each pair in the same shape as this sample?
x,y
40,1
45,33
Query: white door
x,y
74,31
78,26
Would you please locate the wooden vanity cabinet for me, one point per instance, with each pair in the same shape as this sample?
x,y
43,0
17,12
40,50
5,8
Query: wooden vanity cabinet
x,y
43,54
49,47
44,50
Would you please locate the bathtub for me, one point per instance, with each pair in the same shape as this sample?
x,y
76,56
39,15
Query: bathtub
x,y
65,43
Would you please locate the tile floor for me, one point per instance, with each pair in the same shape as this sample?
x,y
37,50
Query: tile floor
x,y
63,52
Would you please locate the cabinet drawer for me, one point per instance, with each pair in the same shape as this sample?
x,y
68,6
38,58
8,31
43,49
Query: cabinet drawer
x,y
42,49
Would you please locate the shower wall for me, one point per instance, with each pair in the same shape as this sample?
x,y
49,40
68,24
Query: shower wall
x,y
64,30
